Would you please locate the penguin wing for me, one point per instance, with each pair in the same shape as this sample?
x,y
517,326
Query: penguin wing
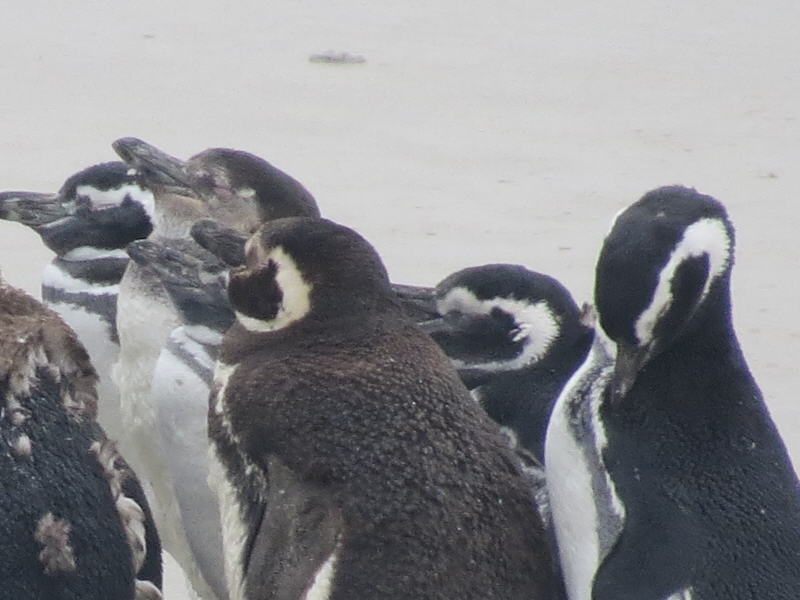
x,y
294,547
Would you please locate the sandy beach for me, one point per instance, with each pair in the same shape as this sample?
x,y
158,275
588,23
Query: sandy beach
x,y
472,133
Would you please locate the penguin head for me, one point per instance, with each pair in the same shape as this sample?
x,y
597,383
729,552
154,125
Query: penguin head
x,y
500,317
104,207
231,186
310,270
665,262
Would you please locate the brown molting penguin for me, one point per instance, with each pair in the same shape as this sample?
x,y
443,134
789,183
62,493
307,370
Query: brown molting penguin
x,y
352,461
73,518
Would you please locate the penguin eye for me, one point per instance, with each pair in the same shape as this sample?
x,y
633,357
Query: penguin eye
x,y
502,319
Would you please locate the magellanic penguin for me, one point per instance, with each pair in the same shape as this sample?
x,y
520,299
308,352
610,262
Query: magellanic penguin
x,y
88,223
667,477
73,518
182,378
354,463
515,336
234,187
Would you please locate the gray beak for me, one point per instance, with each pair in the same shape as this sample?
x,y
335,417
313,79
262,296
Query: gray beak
x,y
433,326
629,361
222,241
418,302
157,168
33,209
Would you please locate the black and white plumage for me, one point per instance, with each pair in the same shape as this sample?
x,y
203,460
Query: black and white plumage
x,y
234,187
88,223
515,336
74,522
353,463
667,477
182,377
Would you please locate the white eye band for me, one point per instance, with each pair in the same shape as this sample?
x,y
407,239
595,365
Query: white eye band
x,y
707,237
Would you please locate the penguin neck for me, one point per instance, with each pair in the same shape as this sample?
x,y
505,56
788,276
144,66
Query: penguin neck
x,y
703,362
86,266
709,337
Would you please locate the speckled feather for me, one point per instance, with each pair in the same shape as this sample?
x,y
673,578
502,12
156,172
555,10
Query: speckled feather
x,y
47,387
354,400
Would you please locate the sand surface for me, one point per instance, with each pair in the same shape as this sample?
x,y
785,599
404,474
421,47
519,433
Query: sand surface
x,y
474,132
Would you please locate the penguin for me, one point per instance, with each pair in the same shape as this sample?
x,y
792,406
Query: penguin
x,y
73,518
87,224
667,476
234,187
182,378
352,461
515,336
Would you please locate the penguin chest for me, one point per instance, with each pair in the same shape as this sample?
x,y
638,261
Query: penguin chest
x,y
181,384
227,478
145,318
586,512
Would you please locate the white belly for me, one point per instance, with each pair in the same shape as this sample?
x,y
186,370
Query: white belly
x,y
94,334
144,321
180,396
586,512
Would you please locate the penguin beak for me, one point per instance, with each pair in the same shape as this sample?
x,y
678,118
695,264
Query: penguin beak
x,y
472,378
193,281
222,241
419,303
157,168
33,209
630,359
434,326
167,263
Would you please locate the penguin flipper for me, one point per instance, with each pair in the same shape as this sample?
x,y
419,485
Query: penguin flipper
x,y
297,538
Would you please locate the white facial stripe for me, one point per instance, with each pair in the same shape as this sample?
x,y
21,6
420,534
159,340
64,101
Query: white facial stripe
x,y
114,197
537,325
92,253
246,193
705,237
296,301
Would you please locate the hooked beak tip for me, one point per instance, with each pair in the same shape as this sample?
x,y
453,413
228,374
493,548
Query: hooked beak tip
x,y
629,361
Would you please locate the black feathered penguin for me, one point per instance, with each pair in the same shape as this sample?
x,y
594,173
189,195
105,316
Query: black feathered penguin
x,y
661,447
353,462
73,518
87,224
515,336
